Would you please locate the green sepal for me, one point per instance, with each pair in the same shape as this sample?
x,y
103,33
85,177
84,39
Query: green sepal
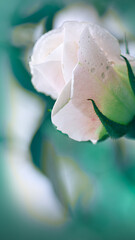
x,y
114,129
130,74
131,132
103,138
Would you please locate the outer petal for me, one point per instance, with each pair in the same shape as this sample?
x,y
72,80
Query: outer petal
x,y
69,118
106,41
41,85
48,78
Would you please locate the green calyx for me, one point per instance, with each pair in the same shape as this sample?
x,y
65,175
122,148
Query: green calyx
x,y
130,74
114,129
131,132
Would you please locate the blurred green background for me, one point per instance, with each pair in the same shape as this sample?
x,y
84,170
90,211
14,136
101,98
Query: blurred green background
x,y
52,187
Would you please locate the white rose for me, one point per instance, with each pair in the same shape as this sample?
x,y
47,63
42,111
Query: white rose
x,y
77,62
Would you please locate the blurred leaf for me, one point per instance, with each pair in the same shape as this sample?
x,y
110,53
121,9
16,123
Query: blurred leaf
x,y
46,10
125,160
18,68
131,75
70,182
93,158
27,34
36,146
20,72
126,45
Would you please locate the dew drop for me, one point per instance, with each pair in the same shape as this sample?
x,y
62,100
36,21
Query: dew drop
x,y
92,70
103,75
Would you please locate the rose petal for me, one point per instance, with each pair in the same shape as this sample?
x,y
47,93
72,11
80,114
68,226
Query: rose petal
x,y
72,32
41,85
48,78
46,45
105,41
69,118
55,55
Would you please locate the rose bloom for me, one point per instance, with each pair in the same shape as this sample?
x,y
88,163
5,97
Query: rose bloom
x,y
77,62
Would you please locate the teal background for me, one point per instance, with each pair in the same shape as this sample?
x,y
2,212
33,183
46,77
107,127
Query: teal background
x,y
109,209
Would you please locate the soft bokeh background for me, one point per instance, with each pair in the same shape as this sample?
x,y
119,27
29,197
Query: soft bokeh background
x,y
52,187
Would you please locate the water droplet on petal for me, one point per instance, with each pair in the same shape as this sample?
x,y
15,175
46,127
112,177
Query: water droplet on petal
x,y
103,75
92,70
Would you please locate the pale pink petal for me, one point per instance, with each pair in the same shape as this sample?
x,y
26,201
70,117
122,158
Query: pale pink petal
x,y
50,73
68,116
48,78
70,120
72,33
93,71
41,85
46,45
63,98
45,64
55,55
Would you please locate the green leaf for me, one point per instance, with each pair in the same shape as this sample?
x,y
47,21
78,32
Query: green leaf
x,y
130,74
44,11
114,129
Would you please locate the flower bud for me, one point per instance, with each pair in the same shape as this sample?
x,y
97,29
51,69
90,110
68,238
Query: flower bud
x,y
80,65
